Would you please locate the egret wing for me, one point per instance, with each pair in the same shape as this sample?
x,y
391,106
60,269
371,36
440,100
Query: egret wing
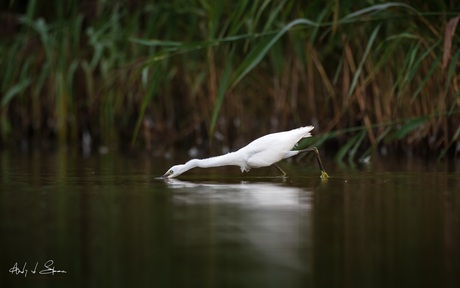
x,y
272,148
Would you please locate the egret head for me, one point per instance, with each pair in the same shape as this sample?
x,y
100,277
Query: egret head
x,y
174,171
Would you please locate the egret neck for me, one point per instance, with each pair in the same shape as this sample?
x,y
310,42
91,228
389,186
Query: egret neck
x,y
232,159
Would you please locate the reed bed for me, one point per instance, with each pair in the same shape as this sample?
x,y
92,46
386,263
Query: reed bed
x,y
213,75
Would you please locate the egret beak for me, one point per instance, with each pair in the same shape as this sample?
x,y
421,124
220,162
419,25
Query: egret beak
x,y
167,174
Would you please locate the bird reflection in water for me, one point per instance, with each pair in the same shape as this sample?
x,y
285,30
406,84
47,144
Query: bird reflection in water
x,y
270,222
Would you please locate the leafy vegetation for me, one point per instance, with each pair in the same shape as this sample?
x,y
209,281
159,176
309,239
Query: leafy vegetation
x,y
192,73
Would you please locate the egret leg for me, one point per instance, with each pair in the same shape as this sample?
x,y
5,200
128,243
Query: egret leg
x,y
281,170
314,149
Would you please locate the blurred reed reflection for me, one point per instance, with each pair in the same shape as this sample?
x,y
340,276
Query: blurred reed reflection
x,y
388,229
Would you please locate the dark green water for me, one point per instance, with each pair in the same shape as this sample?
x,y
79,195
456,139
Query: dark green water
x,y
108,222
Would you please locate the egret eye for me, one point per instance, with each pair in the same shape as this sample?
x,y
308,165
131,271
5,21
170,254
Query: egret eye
x,y
170,172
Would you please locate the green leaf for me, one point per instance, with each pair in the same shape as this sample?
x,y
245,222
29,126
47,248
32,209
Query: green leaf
x,y
453,65
73,67
357,144
31,9
145,101
457,134
77,31
222,89
375,9
401,71
345,148
337,72
237,15
428,75
259,12
412,69
273,13
406,78
443,153
454,103
261,49
16,89
388,53
316,141
10,67
251,60
154,42
378,7
411,125
402,35
371,148
319,20
358,71
214,14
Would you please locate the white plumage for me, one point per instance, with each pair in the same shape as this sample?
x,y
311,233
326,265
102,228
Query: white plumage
x,y
270,149
262,152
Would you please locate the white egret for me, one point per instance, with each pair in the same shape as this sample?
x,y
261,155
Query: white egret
x,y
262,152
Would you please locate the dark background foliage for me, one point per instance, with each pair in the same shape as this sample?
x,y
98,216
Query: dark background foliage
x,y
214,75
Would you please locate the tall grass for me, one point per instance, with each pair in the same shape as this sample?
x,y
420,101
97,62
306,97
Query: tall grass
x,y
191,73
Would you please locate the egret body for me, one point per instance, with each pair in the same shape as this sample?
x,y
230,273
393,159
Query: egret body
x,y
262,152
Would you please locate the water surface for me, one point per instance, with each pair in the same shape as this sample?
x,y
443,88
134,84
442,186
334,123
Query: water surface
x,y
108,222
